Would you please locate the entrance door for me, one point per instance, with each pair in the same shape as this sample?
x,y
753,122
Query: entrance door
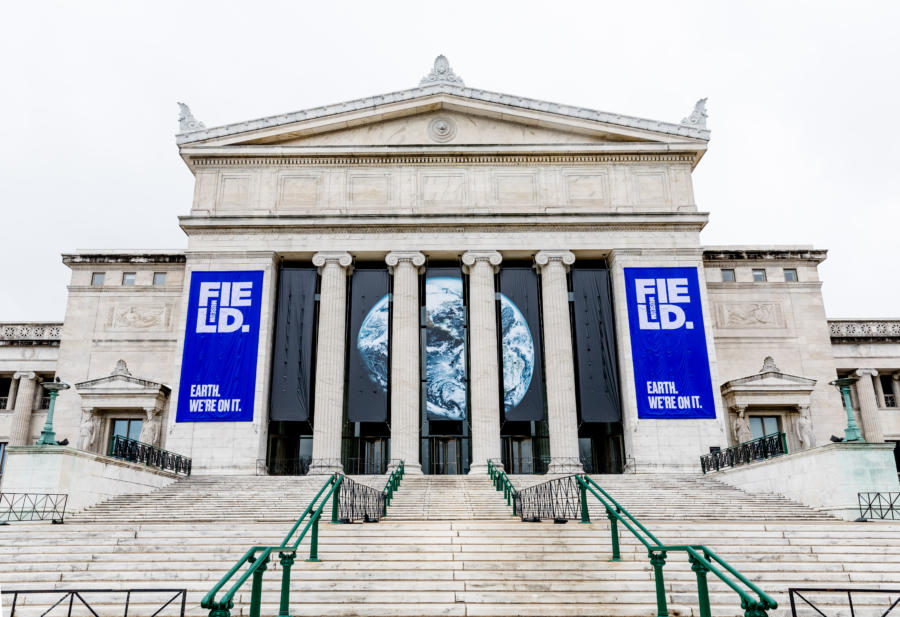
x,y
374,455
445,458
520,456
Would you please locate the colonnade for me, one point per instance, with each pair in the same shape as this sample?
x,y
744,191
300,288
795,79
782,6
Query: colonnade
x,y
484,371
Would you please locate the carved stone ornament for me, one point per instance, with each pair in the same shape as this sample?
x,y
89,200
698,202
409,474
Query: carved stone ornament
x,y
442,129
441,73
394,258
544,258
121,369
697,119
769,366
186,120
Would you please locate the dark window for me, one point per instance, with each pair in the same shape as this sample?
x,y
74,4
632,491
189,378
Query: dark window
x,y
2,457
759,275
727,275
887,387
126,428
790,275
761,426
97,278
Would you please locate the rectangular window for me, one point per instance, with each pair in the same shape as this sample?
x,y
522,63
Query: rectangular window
x,y
97,278
130,429
727,275
128,278
159,278
790,275
886,386
760,426
759,275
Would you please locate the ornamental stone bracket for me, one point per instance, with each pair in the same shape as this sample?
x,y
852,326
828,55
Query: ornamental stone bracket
x,y
772,391
120,390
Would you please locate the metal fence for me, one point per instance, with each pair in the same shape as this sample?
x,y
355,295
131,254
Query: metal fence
x,y
747,452
879,505
33,507
358,502
803,602
555,499
77,600
135,451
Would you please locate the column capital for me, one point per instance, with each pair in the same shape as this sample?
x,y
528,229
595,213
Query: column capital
x,y
896,376
544,258
26,375
415,258
470,258
340,258
862,372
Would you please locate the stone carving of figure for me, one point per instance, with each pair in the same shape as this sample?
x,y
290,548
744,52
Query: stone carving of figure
x,y
804,430
150,430
87,431
741,426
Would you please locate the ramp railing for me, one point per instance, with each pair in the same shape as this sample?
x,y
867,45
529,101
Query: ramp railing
x,y
502,483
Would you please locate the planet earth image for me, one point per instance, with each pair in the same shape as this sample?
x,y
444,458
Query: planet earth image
x,y
445,348
372,342
518,353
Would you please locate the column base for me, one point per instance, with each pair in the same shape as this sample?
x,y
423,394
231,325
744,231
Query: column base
x,y
482,468
324,467
565,466
414,469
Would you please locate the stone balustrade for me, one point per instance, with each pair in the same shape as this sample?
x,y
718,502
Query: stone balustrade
x,y
857,329
47,333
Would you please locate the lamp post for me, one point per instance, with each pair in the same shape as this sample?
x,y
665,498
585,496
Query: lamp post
x,y
48,437
851,433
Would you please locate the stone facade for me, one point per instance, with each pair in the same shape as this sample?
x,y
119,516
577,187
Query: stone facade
x,y
445,173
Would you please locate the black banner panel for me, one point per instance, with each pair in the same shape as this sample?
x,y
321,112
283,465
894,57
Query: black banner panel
x,y
369,366
520,329
595,345
445,345
293,354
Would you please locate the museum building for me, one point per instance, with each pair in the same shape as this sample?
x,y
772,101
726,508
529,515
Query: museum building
x,y
446,276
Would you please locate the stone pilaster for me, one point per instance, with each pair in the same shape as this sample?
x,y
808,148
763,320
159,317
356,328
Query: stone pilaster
x,y
895,387
20,428
405,378
868,405
559,364
330,347
879,391
484,372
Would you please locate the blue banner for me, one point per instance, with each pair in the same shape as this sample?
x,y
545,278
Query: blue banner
x,y
668,344
221,343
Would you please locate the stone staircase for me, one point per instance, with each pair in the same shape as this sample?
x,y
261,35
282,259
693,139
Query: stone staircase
x,y
468,557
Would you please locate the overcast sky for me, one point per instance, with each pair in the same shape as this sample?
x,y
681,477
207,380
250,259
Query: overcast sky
x,y
803,106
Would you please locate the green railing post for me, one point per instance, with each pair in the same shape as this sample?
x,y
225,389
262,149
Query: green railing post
x,y
219,611
256,588
658,560
314,539
585,516
614,535
702,587
335,502
287,560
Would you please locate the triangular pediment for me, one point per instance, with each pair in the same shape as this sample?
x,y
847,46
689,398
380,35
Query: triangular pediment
x,y
769,379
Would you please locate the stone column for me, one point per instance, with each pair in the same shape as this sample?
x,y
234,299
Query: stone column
x,y
328,410
405,378
559,363
484,372
868,406
11,397
20,428
895,387
879,391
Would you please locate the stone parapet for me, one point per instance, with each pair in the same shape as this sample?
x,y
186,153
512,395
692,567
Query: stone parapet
x,y
860,330
30,333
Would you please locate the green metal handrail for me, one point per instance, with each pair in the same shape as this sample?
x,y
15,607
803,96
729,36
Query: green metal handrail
x,y
392,484
257,557
700,557
501,483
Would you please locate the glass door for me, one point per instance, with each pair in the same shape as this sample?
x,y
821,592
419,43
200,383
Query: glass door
x,y
445,456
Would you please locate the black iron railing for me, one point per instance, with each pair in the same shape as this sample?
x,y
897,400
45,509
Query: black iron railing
x,y
879,505
358,502
33,507
525,465
747,452
135,451
890,601
284,467
76,600
555,499
365,466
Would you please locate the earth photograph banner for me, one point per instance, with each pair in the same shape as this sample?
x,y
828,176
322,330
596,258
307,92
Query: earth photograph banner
x,y
520,332
292,355
369,364
221,344
668,344
445,345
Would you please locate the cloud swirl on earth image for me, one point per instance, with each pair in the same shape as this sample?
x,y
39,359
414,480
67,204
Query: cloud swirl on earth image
x,y
445,348
372,342
518,353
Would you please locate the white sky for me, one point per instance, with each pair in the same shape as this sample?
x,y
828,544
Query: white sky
x,y
803,103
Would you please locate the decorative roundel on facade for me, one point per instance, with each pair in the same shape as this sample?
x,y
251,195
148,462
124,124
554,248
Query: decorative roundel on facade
x,y
442,129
